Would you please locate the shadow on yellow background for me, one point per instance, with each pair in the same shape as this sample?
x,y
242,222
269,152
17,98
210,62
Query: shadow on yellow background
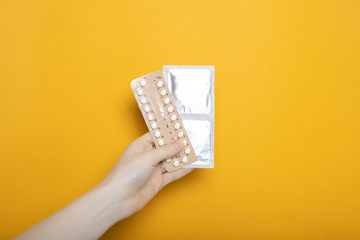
x,y
287,113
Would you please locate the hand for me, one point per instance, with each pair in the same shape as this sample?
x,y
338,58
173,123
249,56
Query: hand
x,y
138,175
135,179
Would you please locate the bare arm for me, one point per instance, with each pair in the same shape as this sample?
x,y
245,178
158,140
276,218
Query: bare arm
x,y
135,179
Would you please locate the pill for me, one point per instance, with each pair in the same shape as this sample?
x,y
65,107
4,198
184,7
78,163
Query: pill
x,y
159,84
140,92
161,116
150,117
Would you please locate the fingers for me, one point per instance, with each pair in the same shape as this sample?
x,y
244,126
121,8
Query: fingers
x,y
144,139
157,155
173,176
139,145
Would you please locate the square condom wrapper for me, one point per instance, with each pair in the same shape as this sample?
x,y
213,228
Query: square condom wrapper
x,y
192,88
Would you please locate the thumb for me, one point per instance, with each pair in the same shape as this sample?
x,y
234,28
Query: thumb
x,y
157,155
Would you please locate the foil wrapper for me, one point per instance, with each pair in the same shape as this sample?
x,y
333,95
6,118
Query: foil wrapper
x,y
192,88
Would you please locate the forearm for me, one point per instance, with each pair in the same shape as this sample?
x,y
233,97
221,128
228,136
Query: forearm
x,y
133,181
87,217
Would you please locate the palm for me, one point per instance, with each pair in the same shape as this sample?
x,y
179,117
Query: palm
x,y
151,187
139,176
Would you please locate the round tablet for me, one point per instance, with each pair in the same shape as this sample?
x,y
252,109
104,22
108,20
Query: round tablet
x,y
173,117
163,92
150,117
184,159
177,125
143,100
142,83
161,142
176,163
146,109
184,142
187,151
180,134
159,84
170,109
166,101
154,125
168,160
157,134
140,92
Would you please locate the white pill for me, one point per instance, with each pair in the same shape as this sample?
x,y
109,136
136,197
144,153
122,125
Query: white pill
x,y
184,142
177,125
176,163
159,84
157,134
161,142
166,101
168,160
184,159
163,92
140,92
180,134
142,83
187,151
170,109
143,100
173,117
146,109
150,117
154,125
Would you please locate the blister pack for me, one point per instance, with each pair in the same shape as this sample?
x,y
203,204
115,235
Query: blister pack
x,y
193,91
162,118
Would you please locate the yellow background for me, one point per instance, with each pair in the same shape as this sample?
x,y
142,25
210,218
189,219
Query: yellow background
x,y
287,158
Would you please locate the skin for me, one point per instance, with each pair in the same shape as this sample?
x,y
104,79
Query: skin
x,y
134,180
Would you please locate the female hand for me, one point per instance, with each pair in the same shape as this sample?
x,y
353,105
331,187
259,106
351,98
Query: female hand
x,y
135,179
138,175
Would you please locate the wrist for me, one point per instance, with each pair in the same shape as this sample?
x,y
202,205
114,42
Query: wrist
x,y
116,204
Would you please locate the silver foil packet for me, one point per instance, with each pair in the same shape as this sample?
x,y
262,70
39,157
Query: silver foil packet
x,y
192,88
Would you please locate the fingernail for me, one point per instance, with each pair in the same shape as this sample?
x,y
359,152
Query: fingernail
x,y
177,144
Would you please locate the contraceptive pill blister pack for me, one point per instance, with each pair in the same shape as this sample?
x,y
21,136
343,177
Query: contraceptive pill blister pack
x,y
193,91
162,118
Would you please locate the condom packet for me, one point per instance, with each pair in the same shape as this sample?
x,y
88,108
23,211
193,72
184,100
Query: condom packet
x,y
193,91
